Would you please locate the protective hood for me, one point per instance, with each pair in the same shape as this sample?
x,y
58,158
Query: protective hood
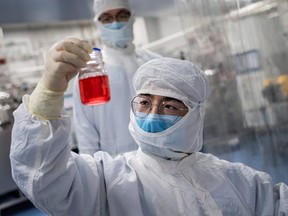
x,y
101,6
177,79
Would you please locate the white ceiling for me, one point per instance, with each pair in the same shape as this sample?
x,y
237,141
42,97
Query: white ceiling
x,y
43,11
39,11
154,7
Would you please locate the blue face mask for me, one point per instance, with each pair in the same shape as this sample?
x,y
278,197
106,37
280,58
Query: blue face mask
x,y
154,123
115,25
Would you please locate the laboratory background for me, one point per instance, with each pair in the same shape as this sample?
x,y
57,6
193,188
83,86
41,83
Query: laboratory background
x,y
241,45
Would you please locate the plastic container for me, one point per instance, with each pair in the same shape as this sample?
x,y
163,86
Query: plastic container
x,y
93,81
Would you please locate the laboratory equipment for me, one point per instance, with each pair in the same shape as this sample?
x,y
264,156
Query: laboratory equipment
x,y
94,81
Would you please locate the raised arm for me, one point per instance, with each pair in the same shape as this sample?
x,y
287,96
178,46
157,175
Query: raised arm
x,y
54,179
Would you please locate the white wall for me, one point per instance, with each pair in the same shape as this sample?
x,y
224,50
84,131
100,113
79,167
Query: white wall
x,y
159,27
166,36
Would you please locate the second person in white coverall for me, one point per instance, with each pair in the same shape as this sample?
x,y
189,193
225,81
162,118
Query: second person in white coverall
x,y
105,127
167,176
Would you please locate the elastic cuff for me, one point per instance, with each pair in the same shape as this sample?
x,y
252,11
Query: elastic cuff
x,y
46,104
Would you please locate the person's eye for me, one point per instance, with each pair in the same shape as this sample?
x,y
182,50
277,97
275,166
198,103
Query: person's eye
x,y
123,16
144,103
105,19
171,107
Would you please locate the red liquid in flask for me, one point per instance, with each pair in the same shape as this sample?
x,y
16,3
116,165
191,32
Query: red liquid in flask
x,y
94,90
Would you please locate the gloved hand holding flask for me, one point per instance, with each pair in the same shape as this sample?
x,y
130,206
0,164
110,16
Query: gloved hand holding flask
x,y
63,62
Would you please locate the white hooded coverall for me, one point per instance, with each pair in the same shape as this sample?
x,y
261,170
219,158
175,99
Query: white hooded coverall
x,y
139,183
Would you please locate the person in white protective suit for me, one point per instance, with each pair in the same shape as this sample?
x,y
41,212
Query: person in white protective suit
x,y
102,127
167,175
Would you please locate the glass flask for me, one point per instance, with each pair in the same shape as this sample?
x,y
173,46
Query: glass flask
x,y
93,81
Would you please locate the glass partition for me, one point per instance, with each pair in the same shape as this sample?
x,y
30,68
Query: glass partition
x,y
242,47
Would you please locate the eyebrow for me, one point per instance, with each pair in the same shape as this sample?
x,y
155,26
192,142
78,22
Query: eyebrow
x,y
164,98
120,11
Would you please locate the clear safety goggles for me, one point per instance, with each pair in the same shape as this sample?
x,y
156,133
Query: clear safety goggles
x,y
121,16
142,105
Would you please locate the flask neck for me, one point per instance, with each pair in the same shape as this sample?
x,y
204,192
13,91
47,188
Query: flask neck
x,y
95,64
96,56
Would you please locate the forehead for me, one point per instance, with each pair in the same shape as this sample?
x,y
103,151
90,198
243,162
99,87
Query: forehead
x,y
114,12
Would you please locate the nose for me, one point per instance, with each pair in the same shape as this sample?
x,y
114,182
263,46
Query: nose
x,y
114,19
154,109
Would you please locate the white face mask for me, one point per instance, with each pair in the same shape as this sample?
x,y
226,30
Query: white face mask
x,y
176,142
116,38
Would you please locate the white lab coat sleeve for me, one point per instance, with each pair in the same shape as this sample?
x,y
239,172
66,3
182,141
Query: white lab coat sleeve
x,y
281,199
86,132
56,180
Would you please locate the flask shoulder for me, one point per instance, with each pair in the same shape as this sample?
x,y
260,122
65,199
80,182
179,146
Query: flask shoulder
x,y
95,66
92,70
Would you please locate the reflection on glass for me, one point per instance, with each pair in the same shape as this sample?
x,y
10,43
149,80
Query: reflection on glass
x,y
242,47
